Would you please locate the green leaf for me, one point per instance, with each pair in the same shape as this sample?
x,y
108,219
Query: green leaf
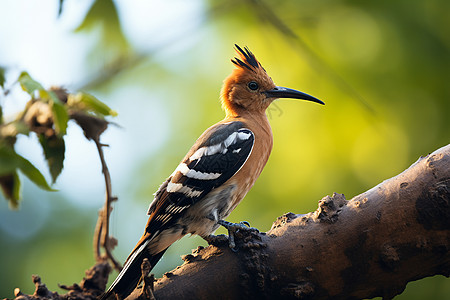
x,y
28,84
10,161
34,174
60,117
104,13
49,96
54,149
10,184
89,103
2,77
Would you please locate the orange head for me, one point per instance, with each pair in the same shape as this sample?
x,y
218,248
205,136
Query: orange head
x,y
249,88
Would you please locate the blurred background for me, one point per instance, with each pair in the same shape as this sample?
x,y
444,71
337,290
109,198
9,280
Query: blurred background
x,y
382,67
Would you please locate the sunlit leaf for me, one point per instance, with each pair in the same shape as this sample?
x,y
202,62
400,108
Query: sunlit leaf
x,y
60,117
96,106
104,13
28,84
54,149
10,184
89,103
49,95
10,161
101,11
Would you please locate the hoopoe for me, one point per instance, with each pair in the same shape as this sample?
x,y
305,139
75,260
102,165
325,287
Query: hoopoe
x,y
216,173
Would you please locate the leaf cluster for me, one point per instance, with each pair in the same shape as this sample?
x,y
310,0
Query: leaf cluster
x,y
46,114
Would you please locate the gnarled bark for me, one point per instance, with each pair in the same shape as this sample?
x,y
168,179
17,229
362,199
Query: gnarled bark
x,y
372,245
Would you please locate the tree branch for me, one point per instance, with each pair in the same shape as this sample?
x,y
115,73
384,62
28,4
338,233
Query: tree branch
x,y
372,245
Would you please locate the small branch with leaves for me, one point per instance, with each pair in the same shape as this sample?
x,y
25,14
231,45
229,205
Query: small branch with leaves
x,y
47,114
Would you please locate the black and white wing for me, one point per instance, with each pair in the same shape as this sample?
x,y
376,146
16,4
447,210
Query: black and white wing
x,y
216,156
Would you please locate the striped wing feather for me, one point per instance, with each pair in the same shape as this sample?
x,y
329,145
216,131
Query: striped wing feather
x,y
207,166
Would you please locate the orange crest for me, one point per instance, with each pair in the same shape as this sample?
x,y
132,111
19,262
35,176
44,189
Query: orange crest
x,y
236,93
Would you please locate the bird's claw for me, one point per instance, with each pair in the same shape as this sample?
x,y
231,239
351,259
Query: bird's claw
x,y
245,223
233,228
247,226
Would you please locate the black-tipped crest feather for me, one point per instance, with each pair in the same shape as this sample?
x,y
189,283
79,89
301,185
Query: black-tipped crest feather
x,y
249,62
241,63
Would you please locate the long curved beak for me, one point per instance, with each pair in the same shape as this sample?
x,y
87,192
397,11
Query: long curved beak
x,y
282,92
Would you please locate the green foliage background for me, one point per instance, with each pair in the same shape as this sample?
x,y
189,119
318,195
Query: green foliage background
x,y
382,67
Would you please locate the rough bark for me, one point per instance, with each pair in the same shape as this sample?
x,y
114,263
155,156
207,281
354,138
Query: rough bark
x,y
372,245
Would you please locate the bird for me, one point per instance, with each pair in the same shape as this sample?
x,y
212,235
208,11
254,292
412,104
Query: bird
x,y
216,173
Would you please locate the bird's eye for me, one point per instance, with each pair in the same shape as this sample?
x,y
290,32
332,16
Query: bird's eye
x,y
253,85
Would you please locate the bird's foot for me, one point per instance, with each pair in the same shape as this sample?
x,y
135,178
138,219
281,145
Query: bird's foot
x,y
243,226
232,228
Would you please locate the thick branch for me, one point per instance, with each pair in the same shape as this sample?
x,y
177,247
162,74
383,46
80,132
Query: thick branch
x,y
372,245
